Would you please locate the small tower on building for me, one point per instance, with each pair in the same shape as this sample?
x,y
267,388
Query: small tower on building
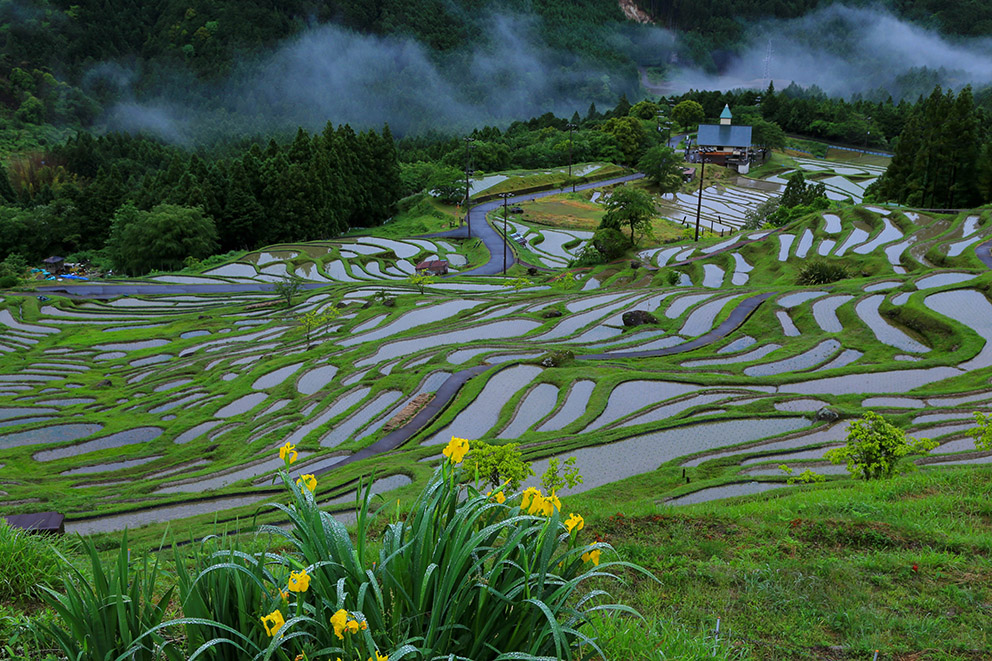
x,y
726,118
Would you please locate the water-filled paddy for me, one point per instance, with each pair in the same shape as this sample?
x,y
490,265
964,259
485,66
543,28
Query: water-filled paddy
x,y
119,439
644,453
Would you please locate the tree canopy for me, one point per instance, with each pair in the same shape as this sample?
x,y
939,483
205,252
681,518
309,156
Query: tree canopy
x,y
629,207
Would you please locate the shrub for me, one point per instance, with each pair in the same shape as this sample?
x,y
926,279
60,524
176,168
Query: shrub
x,y
588,256
875,447
983,432
497,464
819,272
610,243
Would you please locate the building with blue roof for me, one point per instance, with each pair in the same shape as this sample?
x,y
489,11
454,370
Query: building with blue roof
x,y
725,143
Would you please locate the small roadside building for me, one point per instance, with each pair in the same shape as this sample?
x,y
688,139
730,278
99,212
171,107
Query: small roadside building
x,y
51,523
432,267
55,265
725,143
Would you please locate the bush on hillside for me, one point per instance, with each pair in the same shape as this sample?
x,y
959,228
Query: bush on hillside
x,y
610,243
819,272
875,447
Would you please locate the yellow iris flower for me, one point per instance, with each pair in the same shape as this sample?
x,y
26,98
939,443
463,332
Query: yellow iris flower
x,y
379,657
591,556
299,581
530,495
340,622
308,481
456,449
288,453
273,622
500,497
574,522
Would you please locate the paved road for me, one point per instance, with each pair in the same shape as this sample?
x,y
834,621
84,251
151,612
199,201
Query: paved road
x,y
984,253
494,240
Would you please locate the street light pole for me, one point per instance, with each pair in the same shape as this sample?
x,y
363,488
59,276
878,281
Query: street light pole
x,y
571,127
699,204
468,190
505,197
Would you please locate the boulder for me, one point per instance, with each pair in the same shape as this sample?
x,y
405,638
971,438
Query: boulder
x,y
551,314
827,415
634,264
531,271
638,317
389,303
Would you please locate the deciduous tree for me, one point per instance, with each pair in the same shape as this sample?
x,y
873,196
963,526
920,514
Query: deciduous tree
x,y
629,207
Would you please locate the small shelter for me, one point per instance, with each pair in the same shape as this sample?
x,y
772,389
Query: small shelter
x,y
725,143
432,267
55,265
52,523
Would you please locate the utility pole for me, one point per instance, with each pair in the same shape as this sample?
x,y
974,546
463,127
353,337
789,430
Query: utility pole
x,y
468,190
699,204
505,197
867,135
571,127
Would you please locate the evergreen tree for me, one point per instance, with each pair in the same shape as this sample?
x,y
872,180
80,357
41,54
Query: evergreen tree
x,y
6,190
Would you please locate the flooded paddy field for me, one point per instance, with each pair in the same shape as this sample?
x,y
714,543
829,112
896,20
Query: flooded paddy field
x,y
164,407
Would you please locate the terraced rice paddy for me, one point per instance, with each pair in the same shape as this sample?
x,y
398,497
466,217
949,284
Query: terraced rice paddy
x,y
145,409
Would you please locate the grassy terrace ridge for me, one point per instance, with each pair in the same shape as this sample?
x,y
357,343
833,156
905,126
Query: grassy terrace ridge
x,y
194,393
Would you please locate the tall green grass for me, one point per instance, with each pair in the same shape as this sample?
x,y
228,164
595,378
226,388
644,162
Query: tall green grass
x,y
110,612
28,562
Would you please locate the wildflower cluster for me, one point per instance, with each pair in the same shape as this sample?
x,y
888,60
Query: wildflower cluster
x,y
344,622
534,502
429,593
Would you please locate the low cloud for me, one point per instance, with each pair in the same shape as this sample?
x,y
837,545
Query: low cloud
x,y
333,74
845,50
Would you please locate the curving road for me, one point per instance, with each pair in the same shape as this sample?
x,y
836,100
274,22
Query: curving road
x,y
494,239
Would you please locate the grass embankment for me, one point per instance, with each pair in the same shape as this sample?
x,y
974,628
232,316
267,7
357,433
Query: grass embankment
x,y
829,572
833,571
418,214
522,181
784,160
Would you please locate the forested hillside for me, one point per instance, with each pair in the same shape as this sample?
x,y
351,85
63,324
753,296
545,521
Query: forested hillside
x,y
112,193
66,63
